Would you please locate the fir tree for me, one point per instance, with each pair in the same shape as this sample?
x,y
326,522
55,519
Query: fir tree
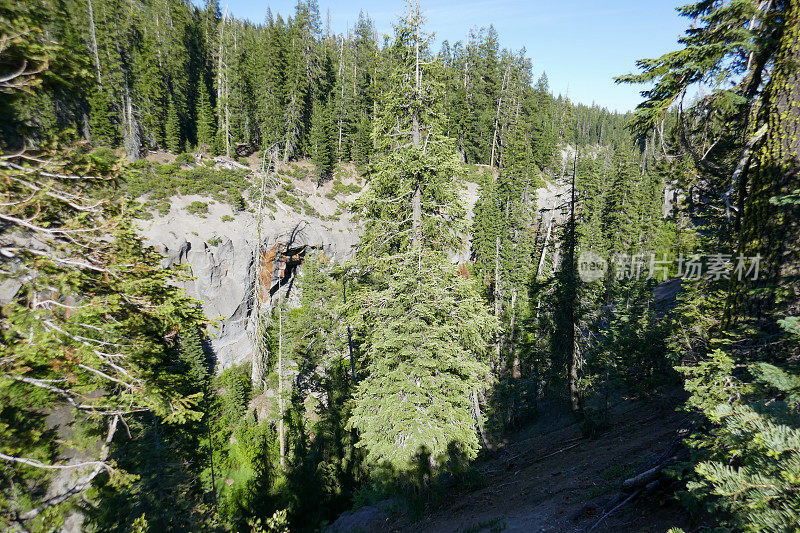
x,y
172,129
193,356
424,374
205,118
323,149
101,123
425,354
743,385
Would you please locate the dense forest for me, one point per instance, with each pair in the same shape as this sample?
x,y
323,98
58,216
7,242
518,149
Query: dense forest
x,y
454,323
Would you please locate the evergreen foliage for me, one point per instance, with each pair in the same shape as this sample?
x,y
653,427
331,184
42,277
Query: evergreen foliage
x,y
323,149
397,366
741,371
426,362
423,373
172,129
205,118
100,316
140,79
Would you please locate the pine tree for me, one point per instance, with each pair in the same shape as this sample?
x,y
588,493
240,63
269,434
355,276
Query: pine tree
x,y
193,356
302,71
425,350
744,385
205,118
424,376
544,135
172,129
139,377
323,149
101,123
486,225
272,72
567,307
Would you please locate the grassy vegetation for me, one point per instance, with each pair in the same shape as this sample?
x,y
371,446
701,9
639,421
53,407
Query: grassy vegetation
x,y
160,182
197,208
157,183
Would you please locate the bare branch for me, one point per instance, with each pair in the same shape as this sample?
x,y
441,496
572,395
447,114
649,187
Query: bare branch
x,y
82,485
39,464
71,262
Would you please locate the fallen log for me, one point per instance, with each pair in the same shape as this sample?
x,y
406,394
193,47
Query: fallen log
x,y
226,162
644,478
621,505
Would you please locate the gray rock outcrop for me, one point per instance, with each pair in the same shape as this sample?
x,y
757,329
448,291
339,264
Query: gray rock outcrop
x,y
220,256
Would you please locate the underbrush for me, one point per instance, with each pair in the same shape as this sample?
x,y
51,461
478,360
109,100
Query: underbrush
x,y
160,182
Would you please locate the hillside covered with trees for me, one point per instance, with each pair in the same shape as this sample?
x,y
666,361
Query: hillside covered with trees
x,y
522,261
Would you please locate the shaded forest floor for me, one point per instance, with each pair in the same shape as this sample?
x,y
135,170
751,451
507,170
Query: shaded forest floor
x,y
548,477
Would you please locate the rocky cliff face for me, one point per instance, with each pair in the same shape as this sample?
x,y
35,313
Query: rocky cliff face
x,y
219,249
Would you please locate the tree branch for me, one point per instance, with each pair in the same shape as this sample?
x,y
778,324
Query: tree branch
x,y
82,485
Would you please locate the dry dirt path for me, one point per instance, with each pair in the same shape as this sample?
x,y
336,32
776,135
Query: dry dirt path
x,y
549,478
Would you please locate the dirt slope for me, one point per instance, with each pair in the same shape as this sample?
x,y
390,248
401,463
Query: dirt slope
x,y
549,478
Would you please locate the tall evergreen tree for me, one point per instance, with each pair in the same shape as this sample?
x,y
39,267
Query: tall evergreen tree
x,y
102,123
172,129
744,384
206,130
425,365
323,149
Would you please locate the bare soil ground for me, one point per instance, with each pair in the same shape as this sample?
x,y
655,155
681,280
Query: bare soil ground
x,y
548,477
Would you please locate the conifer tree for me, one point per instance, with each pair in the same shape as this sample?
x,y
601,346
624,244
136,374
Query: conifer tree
x,y
425,352
744,385
96,291
206,130
323,149
543,138
172,129
101,122
486,225
272,72
302,71
567,306
193,355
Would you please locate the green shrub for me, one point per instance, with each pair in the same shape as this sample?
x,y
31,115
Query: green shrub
x,y
341,188
160,182
226,218
197,207
184,159
103,159
289,200
162,207
309,209
288,185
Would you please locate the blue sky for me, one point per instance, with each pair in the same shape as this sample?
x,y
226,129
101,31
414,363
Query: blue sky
x,y
581,44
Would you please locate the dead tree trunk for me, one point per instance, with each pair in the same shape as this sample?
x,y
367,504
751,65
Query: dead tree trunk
x,y
416,139
93,36
497,115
